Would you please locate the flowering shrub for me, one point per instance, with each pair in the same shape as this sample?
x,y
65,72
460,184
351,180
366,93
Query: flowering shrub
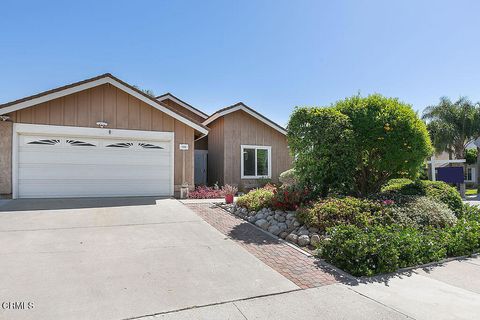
x,y
257,199
420,212
289,197
204,192
342,211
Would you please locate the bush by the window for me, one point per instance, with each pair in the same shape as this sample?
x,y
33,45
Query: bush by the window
x,y
437,190
257,199
341,211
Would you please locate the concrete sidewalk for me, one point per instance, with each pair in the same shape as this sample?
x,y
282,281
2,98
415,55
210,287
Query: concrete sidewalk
x,y
447,291
328,302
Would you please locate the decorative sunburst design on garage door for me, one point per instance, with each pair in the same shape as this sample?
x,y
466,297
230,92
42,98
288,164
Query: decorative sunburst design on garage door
x,y
80,143
149,146
48,142
120,145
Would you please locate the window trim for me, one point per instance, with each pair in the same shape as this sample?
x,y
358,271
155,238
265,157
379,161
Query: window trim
x,y
269,151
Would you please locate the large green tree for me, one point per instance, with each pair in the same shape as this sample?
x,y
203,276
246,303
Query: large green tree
x,y
390,140
452,125
357,144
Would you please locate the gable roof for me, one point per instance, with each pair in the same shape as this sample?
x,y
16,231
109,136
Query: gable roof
x,y
93,82
241,106
187,106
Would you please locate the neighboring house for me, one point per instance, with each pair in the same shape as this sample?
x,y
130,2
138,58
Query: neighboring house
x,y
104,137
470,173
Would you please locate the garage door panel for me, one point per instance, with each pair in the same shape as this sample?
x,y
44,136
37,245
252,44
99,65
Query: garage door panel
x,y
114,158
84,167
92,171
78,188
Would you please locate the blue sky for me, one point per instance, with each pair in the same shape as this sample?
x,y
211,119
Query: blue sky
x,y
272,55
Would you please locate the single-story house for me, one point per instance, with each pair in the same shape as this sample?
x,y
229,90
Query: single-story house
x,y
104,137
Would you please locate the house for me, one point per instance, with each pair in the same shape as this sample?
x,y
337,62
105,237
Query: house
x,y
104,137
443,160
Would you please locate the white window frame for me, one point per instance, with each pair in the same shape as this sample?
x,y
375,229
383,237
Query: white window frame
x,y
472,173
269,150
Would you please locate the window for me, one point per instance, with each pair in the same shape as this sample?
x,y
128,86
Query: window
x,y
256,162
469,174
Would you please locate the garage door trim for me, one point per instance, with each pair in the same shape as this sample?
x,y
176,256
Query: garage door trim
x,y
67,131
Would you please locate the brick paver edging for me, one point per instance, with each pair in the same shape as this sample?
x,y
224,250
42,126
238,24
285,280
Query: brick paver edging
x,y
304,271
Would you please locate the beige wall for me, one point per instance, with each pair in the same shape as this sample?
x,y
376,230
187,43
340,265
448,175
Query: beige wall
x,y
6,157
216,149
240,128
121,111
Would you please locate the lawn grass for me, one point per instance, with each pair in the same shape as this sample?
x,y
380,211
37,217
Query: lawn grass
x,y
471,192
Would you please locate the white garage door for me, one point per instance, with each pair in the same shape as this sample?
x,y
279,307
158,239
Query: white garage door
x,y
56,166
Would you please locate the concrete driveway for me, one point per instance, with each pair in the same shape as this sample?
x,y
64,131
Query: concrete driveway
x,y
120,262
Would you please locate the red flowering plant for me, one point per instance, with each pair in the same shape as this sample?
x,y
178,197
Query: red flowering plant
x,y
290,198
204,192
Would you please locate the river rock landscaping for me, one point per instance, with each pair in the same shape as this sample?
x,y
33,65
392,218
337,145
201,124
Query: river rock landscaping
x,y
283,224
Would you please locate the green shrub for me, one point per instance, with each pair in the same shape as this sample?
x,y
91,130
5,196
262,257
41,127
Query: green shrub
x,y
288,178
420,212
335,211
381,249
436,190
321,140
471,156
463,238
257,199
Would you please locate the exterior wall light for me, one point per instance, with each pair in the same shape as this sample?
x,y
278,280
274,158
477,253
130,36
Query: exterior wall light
x,y
102,124
4,118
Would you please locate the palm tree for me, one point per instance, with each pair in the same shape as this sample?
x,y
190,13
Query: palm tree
x,y
452,125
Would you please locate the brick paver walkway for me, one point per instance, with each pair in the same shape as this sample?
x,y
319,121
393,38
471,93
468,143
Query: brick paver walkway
x,y
304,271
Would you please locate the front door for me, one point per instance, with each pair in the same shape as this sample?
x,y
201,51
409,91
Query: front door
x,y
201,157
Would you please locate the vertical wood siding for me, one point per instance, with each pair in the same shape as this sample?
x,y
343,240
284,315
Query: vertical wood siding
x,y
120,111
216,152
241,128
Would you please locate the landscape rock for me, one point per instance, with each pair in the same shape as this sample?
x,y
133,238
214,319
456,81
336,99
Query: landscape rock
x,y
314,240
262,223
313,230
303,240
275,230
296,223
292,238
282,226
